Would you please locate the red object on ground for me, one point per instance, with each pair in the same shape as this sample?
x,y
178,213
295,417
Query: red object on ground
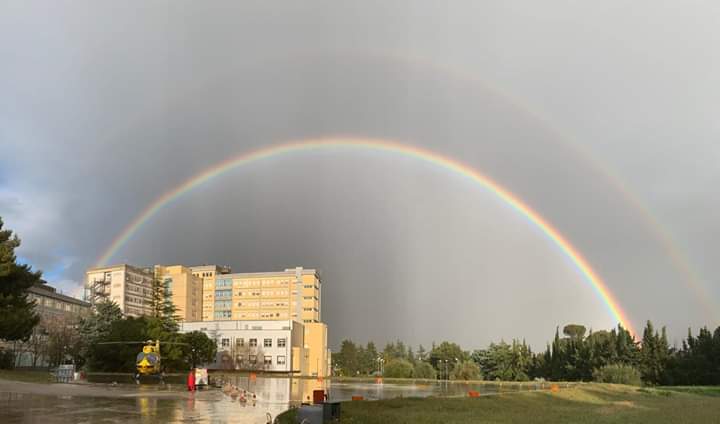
x,y
473,393
357,398
191,381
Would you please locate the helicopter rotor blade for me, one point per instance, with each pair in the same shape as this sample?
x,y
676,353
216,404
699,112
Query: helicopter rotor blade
x,y
109,343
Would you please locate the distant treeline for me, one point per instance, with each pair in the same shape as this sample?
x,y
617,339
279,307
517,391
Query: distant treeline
x,y
608,356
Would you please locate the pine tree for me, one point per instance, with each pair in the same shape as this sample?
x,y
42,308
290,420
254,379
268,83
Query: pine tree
x,y
17,312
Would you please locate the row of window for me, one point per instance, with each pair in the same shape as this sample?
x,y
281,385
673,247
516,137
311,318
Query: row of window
x,y
204,274
259,283
223,283
223,314
223,294
240,342
223,304
267,359
55,304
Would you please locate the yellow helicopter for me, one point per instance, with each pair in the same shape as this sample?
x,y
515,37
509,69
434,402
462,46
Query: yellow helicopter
x,y
147,362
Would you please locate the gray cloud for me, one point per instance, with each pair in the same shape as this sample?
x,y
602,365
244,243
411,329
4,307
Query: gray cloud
x,y
108,106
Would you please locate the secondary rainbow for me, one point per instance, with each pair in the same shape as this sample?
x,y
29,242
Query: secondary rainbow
x,y
388,146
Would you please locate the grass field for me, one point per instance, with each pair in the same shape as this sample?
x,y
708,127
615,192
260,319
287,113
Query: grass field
x,y
31,376
591,403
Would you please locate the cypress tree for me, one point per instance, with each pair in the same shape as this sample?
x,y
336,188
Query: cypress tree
x,y
17,312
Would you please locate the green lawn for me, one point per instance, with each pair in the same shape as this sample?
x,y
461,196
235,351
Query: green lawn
x,y
31,376
591,403
697,390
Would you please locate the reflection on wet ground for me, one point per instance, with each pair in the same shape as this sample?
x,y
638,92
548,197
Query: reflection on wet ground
x,y
126,403
201,407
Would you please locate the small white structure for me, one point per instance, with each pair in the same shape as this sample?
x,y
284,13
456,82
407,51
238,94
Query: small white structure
x,y
271,346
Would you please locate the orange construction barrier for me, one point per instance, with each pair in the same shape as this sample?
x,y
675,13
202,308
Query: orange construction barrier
x,y
357,398
473,393
554,388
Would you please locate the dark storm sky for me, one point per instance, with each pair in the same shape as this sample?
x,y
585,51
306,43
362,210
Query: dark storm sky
x,y
104,107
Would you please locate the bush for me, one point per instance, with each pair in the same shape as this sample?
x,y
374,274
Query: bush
x,y
424,370
617,374
466,370
398,368
7,360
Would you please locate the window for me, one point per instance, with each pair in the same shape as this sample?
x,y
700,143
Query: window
x,y
225,342
223,314
281,360
223,294
223,304
223,283
268,360
253,342
253,359
240,342
267,343
281,342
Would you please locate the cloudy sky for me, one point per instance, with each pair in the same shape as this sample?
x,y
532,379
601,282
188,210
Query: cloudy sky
x,y
602,117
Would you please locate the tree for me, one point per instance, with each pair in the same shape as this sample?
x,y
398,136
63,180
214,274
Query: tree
x,y
162,306
200,349
96,328
444,357
63,340
398,368
347,359
422,354
653,355
119,357
466,370
424,370
502,361
37,344
368,359
574,331
17,312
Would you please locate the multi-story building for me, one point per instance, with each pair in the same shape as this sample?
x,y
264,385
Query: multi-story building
x,y
291,295
184,288
50,304
128,286
208,273
55,310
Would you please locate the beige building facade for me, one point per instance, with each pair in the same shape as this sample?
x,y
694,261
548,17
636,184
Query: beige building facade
x,y
207,274
128,286
293,294
184,288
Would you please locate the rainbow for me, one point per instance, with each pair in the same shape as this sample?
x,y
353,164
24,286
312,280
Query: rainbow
x,y
388,146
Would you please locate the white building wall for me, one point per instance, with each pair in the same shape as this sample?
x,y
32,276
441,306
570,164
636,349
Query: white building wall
x,y
227,335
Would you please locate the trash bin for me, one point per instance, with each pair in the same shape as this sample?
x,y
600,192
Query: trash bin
x,y
331,411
